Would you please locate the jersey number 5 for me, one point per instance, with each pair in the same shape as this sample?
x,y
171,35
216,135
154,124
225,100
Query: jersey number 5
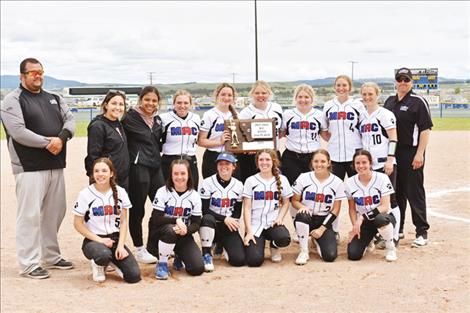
x,y
117,221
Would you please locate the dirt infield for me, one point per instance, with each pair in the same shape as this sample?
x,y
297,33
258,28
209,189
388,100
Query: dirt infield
x,y
431,279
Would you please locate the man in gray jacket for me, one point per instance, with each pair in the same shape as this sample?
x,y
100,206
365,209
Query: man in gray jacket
x,y
37,124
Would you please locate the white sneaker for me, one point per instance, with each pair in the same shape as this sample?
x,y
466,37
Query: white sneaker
x,y
391,255
419,242
143,256
371,246
98,272
302,258
116,269
276,256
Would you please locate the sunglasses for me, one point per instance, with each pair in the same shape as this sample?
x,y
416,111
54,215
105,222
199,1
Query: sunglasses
x,y
119,92
34,73
403,79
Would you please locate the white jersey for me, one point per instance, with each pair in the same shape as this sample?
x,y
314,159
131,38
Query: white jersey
x,y
213,123
303,130
101,216
264,200
222,200
343,124
273,110
174,205
367,198
318,196
180,135
373,129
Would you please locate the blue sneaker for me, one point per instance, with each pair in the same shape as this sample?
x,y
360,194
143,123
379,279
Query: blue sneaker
x,y
177,263
208,265
161,271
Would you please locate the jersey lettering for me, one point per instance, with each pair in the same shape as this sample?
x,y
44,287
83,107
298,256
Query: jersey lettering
x,y
223,203
177,211
266,195
104,210
303,125
371,127
336,116
319,197
177,131
369,200
219,127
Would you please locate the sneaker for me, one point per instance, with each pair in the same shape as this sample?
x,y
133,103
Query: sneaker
x,y
379,242
62,265
401,235
116,269
371,246
38,273
143,256
98,272
178,263
161,271
218,251
208,265
276,256
419,242
302,258
391,255
338,238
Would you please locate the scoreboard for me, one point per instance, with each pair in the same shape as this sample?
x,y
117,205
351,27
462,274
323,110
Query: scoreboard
x,y
425,79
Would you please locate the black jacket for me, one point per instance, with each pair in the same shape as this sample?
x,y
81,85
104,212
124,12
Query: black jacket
x,y
107,138
144,143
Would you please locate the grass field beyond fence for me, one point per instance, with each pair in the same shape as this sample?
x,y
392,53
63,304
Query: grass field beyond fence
x,y
445,123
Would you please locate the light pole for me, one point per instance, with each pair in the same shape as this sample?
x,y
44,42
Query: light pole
x,y
233,78
352,72
151,77
256,42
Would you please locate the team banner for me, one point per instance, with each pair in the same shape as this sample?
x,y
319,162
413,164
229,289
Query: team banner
x,y
250,135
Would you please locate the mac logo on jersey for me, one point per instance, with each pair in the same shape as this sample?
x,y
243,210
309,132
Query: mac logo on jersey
x,y
367,128
176,131
223,203
319,197
367,200
177,211
333,116
304,125
219,127
105,210
266,195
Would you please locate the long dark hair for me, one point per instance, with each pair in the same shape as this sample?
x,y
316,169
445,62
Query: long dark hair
x,y
112,179
275,170
170,184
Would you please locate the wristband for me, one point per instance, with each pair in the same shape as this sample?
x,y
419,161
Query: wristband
x,y
329,219
392,146
371,214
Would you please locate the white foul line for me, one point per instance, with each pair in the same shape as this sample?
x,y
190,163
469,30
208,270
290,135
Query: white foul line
x,y
444,192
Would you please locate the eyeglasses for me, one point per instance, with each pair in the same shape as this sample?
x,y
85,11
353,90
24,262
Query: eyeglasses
x,y
403,79
34,73
119,92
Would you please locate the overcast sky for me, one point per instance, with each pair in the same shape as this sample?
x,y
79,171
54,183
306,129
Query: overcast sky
x,y
180,41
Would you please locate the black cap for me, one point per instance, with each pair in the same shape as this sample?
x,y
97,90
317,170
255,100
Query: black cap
x,y
404,71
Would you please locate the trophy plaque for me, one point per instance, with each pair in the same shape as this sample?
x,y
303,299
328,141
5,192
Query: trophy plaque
x,y
250,135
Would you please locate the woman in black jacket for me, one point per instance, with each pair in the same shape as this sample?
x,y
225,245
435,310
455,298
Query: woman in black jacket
x,y
143,128
106,137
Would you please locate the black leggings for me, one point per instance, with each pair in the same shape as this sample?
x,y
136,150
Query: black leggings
x,y
231,241
166,162
341,168
357,247
293,164
279,235
327,242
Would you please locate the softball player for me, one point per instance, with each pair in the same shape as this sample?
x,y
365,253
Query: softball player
x,y
176,216
212,135
261,108
180,133
342,115
221,196
303,127
368,195
265,203
101,217
379,137
317,198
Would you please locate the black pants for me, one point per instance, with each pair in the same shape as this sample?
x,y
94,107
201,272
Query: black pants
x,y
327,242
341,168
393,180
279,235
357,247
143,182
293,164
166,162
231,241
186,248
410,186
102,255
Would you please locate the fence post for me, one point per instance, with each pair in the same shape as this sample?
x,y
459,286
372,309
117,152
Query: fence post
x,y
440,110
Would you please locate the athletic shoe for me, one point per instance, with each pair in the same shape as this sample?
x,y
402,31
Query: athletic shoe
x,y
115,268
419,242
218,251
338,238
62,265
208,265
161,271
391,255
371,246
276,256
302,258
379,242
98,272
38,273
178,263
143,256
401,235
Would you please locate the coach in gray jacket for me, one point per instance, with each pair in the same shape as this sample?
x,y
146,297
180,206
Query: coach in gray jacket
x,y
37,124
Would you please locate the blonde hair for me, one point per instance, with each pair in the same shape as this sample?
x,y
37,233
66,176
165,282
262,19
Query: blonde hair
x,y
218,89
182,92
371,85
346,78
305,88
262,84
275,170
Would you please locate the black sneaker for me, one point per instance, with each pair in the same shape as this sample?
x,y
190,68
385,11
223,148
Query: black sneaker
x,y
38,273
62,265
